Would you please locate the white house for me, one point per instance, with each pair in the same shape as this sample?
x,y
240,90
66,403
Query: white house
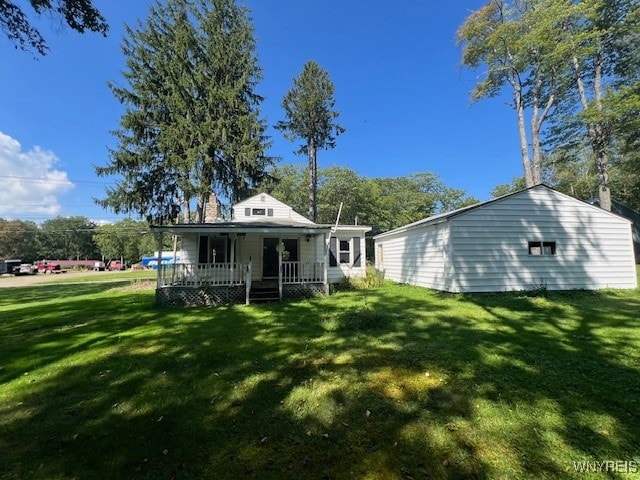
x,y
266,251
530,239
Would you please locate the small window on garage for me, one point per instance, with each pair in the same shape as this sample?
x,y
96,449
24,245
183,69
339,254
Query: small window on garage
x,y
542,248
258,211
345,251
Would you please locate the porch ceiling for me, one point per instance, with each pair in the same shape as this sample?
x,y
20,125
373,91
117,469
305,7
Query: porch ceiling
x,y
243,227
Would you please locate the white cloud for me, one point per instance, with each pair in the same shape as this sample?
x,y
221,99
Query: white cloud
x,y
30,182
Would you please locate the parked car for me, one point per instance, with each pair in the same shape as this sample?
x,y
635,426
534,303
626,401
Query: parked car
x,y
116,265
98,266
26,269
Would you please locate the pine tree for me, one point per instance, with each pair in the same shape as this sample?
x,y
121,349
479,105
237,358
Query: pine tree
x,y
192,124
310,117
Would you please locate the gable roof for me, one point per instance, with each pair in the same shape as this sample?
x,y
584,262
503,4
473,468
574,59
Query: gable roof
x,y
263,199
443,217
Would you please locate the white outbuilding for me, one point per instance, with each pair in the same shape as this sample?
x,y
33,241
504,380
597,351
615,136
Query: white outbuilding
x,y
534,238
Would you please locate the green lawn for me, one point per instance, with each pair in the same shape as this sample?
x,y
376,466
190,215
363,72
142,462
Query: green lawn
x,y
394,383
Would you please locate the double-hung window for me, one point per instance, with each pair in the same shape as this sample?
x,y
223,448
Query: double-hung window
x,y
542,248
345,251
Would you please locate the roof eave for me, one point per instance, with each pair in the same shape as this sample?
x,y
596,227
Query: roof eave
x,y
413,226
238,228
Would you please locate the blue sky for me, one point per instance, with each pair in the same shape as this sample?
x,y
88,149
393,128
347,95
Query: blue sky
x,y
403,98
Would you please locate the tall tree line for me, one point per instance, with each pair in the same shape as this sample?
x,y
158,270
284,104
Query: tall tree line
x,y
75,238
384,203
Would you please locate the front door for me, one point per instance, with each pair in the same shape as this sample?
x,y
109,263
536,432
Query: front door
x,y
270,257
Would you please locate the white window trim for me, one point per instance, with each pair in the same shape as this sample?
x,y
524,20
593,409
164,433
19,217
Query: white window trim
x,y
349,252
540,246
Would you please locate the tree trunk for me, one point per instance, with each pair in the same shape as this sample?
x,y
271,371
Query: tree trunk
x,y
186,211
522,131
202,200
596,133
313,182
538,117
600,141
599,146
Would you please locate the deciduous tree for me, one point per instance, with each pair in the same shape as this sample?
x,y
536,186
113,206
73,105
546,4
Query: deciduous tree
x,y
517,42
603,40
383,203
80,15
18,239
67,238
128,239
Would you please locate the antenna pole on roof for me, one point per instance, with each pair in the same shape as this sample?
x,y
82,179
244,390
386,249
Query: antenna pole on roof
x,y
337,218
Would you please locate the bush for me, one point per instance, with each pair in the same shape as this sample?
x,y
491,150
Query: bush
x,y
373,279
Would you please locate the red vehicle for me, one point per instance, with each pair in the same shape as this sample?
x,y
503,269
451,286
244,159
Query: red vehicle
x,y
45,266
116,265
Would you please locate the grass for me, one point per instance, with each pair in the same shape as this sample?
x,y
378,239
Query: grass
x,y
394,383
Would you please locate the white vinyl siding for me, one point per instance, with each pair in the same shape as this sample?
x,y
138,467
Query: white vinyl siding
x,y
417,258
486,249
491,245
189,248
273,210
341,270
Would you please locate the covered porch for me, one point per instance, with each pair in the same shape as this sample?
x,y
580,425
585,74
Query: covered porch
x,y
235,263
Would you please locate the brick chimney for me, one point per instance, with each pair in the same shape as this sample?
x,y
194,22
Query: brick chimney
x,y
212,209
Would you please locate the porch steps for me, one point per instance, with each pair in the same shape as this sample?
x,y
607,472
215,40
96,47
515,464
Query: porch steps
x,y
264,294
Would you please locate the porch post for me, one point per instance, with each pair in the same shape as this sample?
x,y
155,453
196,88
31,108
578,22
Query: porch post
x,y
327,237
280,248
232,257
160,239
247,282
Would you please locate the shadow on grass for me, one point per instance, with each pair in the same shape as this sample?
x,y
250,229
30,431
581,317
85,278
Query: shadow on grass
x,y
397,383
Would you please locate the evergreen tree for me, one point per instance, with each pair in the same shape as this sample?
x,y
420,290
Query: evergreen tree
x,y
192,124
310,117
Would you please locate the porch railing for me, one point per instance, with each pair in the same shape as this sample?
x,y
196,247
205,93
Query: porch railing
x,y
198,274
302,272
226,274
